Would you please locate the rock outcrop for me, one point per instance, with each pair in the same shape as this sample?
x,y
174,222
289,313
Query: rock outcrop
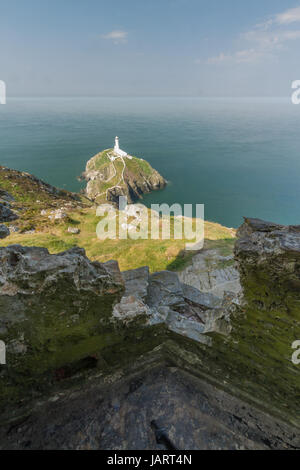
x,y
4,231
54,311
6,214
15,184
60,313
116,415
32,203
213,273
108,178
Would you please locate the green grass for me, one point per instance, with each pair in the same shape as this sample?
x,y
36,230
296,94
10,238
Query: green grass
x,y
99,160
131,254
137,165
32,196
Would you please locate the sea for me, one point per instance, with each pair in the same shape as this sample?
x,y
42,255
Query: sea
x,y
237,156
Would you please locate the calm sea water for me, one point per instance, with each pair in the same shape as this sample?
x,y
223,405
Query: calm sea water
x,y
236,156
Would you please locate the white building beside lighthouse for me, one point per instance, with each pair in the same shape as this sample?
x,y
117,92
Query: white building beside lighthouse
x,y
117,150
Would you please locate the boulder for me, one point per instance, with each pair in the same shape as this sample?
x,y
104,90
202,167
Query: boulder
x,y
73,230
58,214
136,282
198,303
130,309
6,214
4,231
112,267
202,299
13,228
165,289
5,196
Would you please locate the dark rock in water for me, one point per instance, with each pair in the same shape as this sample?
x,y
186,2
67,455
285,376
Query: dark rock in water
x,y
6,214
4,231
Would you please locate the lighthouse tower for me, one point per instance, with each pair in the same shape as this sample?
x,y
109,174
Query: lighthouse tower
x,y
117,150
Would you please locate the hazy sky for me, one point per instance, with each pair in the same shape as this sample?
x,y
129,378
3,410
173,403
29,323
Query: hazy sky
x,y
150,47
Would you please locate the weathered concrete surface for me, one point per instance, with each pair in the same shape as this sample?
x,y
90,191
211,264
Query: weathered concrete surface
x,y
117,416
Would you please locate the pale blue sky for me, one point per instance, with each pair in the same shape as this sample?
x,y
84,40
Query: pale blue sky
x,y
149,47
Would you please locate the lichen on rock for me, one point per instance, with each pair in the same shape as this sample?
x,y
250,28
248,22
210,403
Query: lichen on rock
x,y
58,310
56,307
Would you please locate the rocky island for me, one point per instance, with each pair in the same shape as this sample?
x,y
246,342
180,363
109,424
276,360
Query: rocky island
x,y
113,173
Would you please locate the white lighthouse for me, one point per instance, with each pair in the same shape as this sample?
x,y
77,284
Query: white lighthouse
x,y
117,150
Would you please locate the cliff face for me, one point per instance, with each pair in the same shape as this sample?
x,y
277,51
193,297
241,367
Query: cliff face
x,y
23,187
131,177
54,311
256,357
25,198
62,313
6,214
268,257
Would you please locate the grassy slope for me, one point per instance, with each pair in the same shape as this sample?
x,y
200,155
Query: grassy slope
x,y
135,164
31,198
33,195
157,254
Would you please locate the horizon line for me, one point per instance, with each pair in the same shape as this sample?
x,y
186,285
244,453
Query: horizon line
x,y
147,96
